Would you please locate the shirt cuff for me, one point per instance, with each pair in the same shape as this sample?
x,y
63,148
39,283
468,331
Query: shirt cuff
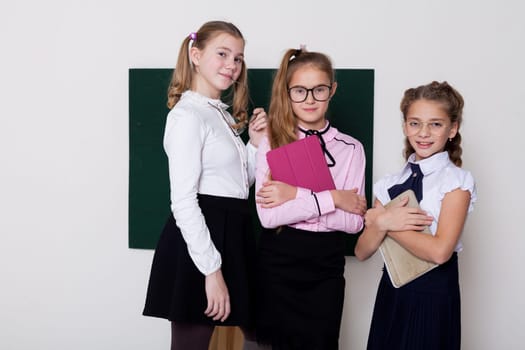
x,y
212,270
210,266
325,201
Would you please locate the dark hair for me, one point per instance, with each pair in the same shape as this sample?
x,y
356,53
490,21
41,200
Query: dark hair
x,y
452,103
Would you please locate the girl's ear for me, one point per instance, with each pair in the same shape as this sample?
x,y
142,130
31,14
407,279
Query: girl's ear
x,y
404,127
334,87
195,55
453,130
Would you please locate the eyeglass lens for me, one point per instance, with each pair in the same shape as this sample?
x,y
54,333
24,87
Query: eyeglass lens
x,y
436,128
320,93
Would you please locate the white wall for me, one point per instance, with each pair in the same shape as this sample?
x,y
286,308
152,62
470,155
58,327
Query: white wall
x,y
68,279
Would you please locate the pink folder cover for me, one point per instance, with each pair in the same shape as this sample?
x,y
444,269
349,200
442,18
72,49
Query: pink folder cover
x,y
302,164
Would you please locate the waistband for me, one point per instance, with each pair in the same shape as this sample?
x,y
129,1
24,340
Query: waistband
x,y
223,202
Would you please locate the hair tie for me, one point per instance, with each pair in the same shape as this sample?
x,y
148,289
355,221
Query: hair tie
x,y
295,54
193,38
301,49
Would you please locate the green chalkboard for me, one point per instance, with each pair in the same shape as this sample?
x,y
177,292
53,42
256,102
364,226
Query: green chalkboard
x,y
351,111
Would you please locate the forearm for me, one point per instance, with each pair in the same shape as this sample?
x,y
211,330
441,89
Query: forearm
x,y
346,217
424,246
368,242
191,222
340,220
348,199
293,211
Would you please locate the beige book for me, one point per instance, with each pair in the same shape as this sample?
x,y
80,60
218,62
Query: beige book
x,y
402,266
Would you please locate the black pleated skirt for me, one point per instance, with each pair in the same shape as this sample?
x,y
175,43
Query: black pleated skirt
x,y
300,289
423,314
176,287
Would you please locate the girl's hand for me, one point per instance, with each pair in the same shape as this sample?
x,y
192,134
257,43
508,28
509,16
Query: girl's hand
x,y
398,217
219,307
274,193
257,126
349,201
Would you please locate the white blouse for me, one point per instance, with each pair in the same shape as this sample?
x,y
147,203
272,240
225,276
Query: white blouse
x,y
440,176
204,156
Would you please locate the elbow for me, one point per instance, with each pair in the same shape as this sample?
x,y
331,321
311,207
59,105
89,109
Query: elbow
x,y
441,256
353,224
268,225
267,222
266,219
440,260
356,224
360,254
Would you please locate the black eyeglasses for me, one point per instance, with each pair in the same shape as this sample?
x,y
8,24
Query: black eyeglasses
x,y
237,131
320,93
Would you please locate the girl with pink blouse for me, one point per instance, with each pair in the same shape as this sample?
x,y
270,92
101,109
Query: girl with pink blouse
x,y
300,287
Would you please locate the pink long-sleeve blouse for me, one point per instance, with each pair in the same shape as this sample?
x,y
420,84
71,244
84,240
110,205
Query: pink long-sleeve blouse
x,y
316,211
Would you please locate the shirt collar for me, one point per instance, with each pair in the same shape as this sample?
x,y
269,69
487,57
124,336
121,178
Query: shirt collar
x,y
328,132
204,100
431,164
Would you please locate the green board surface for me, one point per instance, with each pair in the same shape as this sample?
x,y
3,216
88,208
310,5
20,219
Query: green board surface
x,y
351,111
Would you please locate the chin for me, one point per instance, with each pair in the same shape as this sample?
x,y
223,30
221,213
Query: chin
x,y
420,155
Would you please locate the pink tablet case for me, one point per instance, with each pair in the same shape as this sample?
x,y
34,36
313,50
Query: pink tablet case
x,y
302,164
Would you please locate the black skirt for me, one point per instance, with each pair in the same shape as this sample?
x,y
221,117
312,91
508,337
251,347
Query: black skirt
x,y
423,314
176,289
300,289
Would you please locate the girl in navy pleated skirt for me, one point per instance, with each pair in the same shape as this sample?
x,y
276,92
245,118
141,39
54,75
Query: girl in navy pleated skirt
x,y
424,313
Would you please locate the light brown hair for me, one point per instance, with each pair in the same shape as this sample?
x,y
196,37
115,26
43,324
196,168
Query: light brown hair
x,y
182,77
452,103
282,122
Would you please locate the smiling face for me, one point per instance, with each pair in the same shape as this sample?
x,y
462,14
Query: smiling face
x,y
218,65
428,128
310,113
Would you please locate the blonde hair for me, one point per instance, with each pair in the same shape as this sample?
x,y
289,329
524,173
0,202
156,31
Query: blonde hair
x,y
183,73
452,103
282,128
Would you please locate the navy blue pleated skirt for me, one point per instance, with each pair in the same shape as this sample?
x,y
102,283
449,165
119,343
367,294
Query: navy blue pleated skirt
x,y
423,314
176,287
300,289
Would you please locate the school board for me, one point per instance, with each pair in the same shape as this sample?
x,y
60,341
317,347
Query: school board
x,y
351,111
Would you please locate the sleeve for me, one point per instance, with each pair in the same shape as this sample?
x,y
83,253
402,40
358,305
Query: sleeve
x,y
183,142
462,179
380,188
304,207
470,185
380,191
251,152
340,220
